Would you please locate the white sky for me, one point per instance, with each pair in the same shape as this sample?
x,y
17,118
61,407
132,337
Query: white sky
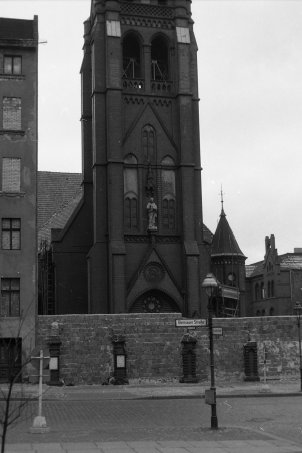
x,y
250,87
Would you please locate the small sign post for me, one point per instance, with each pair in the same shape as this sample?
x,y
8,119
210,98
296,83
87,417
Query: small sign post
x,y
209,396
265,386
217,331
39,423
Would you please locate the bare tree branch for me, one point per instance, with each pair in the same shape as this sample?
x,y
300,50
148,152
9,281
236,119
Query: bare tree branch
x,y
12,404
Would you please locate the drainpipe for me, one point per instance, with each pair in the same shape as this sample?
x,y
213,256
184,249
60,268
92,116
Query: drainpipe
x,y
291,291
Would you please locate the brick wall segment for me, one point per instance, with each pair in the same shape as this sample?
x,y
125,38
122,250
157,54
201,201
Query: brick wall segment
x,y
154,349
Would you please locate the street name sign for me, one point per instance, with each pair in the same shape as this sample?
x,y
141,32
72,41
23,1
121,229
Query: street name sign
x,y
191,322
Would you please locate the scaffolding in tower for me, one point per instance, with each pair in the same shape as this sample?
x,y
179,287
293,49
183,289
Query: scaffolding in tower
x,y
46,280
230,297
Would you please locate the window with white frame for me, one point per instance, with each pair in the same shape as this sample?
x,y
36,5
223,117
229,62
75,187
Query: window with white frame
x,y
12,65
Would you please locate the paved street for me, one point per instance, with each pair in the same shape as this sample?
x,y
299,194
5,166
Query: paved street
x,y
247,425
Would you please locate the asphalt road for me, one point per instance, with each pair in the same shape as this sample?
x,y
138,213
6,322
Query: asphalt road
x,y
278,416
163,419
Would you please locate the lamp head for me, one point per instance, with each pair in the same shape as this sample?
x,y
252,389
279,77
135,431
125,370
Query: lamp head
x,y
210,283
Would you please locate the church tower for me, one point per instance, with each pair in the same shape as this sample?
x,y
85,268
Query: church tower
x,y
141,160
141,152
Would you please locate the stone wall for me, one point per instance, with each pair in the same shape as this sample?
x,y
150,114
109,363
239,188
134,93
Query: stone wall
x,y
154,346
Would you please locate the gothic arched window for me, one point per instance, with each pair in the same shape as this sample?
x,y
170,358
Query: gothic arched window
x,y
257,291
262,294
130,192
268,289
131,57
149,144
168,191
159,59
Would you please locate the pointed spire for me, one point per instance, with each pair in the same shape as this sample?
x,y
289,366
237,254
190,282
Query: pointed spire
x,y
221,200
224,241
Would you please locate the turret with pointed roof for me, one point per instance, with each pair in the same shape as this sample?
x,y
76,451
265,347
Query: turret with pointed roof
x,y
224,242
228,265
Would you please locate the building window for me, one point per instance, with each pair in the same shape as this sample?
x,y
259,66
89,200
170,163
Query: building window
x,y
11,234
12,113
10,297
130,212
268,289
12,65
231,279
262,295
272,288
168,193
168,214
257,291
11,174
149,144
130,192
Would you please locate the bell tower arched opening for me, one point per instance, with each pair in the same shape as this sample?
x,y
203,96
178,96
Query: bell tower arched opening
x,y
131,57
159,59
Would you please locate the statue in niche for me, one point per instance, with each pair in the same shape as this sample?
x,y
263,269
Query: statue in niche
x,y
152,215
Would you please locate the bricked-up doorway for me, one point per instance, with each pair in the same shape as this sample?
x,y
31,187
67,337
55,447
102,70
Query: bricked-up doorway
x,y
10,358
154,302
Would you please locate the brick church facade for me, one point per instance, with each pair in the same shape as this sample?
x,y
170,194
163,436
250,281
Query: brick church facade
x,y
127,235
134,243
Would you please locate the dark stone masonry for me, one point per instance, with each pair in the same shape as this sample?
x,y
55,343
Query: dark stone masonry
x,y
154,347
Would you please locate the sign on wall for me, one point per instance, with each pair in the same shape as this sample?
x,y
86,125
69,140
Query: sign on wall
x,y
191,322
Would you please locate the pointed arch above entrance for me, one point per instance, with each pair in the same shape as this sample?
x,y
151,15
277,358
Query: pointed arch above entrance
x,y
153,279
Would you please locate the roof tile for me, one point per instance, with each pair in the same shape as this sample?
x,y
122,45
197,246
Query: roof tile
x,y
58,196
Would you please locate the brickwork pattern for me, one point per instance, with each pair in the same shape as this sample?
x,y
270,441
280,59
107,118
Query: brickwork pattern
x,y
11,113
154,349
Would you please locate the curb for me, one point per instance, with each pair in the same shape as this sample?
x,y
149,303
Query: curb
x,y
202,396
162,397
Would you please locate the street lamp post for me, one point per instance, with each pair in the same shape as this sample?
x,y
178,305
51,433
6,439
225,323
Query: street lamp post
x,y
298,310
210,284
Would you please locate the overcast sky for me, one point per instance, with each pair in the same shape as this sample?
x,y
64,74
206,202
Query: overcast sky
x,y
250,88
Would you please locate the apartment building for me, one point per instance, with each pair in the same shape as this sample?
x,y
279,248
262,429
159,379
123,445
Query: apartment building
x,y
18,181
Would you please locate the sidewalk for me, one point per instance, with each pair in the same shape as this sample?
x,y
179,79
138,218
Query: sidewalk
x,y
221,446
224,440
158,390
